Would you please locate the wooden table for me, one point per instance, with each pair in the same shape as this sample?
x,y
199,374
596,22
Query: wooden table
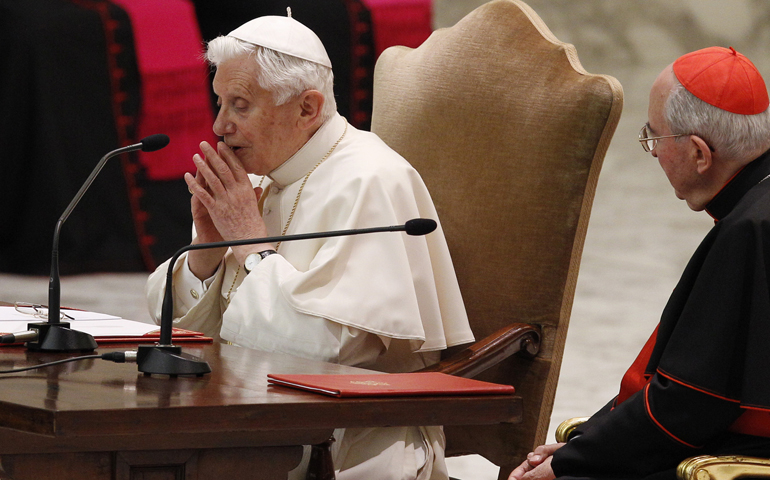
x,y
96,419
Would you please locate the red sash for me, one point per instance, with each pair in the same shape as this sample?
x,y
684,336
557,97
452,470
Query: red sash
x,y
635,379
751,422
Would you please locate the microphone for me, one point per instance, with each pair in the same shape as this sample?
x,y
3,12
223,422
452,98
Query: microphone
x,y
419,226
152,143
164,358
55,335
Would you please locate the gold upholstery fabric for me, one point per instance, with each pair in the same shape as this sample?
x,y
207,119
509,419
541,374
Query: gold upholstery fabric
x,y
509,133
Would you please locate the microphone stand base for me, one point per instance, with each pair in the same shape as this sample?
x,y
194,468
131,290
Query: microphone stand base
x,y
169,360
58,337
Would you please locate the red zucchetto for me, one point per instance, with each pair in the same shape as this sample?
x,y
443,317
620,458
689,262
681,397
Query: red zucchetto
x,y
724,78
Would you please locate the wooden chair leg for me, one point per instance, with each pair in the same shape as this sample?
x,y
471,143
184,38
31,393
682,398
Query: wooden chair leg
x,y
321,466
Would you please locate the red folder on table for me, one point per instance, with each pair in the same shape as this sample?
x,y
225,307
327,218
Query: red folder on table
x,y
178,335
389,384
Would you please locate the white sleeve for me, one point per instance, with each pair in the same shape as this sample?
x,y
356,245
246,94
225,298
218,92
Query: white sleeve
x,y
276,326
197,305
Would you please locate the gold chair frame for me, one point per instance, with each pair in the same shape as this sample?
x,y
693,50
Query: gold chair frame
x,y
703,467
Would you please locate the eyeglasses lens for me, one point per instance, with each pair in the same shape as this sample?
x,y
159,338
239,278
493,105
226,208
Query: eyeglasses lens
x,y
648,144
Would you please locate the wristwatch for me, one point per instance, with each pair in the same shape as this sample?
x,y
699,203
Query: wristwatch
x,y
254,258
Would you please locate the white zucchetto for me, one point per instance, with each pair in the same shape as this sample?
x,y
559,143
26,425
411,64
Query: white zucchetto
x,y
285,35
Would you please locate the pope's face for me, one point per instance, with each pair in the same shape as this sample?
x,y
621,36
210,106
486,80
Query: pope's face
x,y
261,134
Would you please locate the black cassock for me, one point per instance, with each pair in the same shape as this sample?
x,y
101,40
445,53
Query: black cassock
x,y
70,93
702,383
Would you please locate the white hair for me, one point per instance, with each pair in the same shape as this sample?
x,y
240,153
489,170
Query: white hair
x,y
284,76
734,136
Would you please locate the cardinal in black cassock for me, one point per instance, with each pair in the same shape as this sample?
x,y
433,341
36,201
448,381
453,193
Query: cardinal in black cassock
x,y
701,384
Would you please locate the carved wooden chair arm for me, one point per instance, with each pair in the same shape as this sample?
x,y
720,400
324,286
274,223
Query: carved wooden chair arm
x,y
725,467
469,362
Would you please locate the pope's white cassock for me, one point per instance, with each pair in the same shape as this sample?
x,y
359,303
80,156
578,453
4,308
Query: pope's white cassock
x,y
383,301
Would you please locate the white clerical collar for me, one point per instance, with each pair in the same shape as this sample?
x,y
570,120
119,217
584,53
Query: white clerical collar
x,y
307,157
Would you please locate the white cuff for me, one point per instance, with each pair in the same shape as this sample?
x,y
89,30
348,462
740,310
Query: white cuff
x,y
189,287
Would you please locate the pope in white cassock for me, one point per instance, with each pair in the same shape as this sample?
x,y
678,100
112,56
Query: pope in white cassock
x,y
289,163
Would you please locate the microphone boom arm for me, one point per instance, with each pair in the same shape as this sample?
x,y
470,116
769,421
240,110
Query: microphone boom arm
x,y
54,286
167,310
166,358
55,335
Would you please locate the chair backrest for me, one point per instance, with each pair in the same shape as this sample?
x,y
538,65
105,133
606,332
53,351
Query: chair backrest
x,y
509,133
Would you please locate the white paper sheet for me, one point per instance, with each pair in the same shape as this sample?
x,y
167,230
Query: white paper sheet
x,y
93,323
10,314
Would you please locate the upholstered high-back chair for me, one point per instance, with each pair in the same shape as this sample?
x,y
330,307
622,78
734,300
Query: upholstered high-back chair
x,y
509,133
